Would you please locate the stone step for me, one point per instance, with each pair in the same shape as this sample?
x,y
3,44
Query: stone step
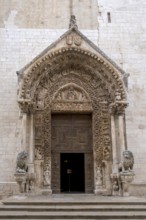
x,y
68,203
73,207
72,215
85,208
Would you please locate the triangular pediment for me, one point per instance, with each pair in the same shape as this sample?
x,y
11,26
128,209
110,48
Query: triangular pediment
x,y
73,38
73,55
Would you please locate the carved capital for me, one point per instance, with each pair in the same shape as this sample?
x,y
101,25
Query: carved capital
x,y
26,105
118,107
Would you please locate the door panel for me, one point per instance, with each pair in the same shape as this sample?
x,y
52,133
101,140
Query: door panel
x,y
71,133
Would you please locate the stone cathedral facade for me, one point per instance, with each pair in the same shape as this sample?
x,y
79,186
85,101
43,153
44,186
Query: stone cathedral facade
x,y
73,97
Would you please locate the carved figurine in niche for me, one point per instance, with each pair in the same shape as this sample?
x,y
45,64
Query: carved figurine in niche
x,y
71,95
128,162
38,155
115,185
118,96
21,163
30,182
107,169
27,95
72,22
98,177
39,103
59,97
47,178
106,153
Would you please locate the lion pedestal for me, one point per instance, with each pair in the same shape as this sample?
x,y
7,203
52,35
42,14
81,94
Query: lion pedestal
x,y
21,171
21,180
126,174
126,178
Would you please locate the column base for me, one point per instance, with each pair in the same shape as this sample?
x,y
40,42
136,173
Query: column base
x,y
101,191
46,191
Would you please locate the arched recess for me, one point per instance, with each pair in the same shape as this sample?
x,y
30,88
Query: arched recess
x,y
73,79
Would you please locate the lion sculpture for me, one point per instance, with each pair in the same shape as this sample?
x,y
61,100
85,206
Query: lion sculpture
x,y
21,163
128,161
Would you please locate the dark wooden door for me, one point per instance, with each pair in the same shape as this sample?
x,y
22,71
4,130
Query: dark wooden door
x,y
72,134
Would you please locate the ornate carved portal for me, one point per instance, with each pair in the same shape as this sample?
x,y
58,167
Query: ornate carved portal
x,y
73,80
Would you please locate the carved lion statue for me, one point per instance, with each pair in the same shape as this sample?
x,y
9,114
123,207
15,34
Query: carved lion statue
x,y
128,160
21,163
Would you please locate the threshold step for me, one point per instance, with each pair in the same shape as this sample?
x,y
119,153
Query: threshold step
x,y
84,208
73,215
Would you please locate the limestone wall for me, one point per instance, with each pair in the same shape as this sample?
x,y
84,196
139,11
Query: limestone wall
x,y
27,27
42,14
124,40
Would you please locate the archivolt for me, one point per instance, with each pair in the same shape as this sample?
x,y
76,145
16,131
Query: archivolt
x,y
67,62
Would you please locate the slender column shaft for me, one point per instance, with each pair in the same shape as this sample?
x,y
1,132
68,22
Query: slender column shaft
x,y
121,133
31,145
31,142
24,131
114,148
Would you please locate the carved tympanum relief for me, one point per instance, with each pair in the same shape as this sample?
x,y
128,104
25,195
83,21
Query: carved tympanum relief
x,y
71,93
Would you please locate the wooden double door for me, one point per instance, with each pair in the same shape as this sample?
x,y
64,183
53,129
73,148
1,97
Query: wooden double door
x,y
72,153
